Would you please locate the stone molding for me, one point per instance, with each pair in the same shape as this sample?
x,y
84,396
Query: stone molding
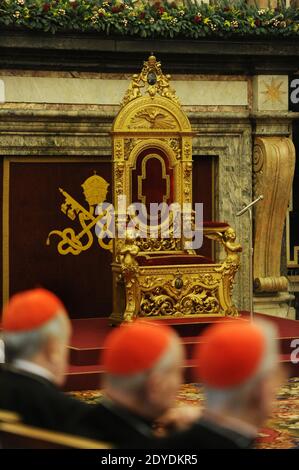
x,y
273,166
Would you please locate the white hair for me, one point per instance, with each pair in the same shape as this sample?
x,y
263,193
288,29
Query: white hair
x,y
235,398
25,345
136,382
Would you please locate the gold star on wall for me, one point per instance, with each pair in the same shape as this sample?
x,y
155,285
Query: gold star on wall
x,y
273,91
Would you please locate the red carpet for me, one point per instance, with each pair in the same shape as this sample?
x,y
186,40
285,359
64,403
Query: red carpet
x,y
88,336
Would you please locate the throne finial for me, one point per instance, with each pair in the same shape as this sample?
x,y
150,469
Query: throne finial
x,y
154,82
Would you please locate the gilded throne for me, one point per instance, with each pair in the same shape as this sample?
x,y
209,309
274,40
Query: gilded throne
x,y
156,271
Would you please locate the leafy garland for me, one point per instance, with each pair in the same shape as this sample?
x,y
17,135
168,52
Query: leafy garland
x,y
145,20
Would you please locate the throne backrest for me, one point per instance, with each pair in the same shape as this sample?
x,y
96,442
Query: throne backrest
x,y
152,153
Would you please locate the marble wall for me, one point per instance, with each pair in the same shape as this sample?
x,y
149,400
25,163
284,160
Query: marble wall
x,y
100,89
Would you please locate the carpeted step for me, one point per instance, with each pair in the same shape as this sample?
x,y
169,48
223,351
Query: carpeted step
x,y
88,336
89,377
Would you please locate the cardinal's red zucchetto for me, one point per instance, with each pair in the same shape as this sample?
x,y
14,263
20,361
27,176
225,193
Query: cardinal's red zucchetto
x,y
135,347
30,309
229,354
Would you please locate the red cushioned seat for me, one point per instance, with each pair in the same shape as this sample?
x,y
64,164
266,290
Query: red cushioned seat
x,y
219,225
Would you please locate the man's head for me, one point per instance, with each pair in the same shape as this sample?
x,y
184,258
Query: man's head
x,y
143,364
238,365
36,328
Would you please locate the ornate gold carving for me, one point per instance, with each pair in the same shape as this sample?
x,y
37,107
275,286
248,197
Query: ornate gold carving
x,y
152,118
229,266
129,268
188,181
158,244
165,236
187,151
154,82
274,163
175,145
191,290
95,191
206,279
134,89
129,145
119,174
128,253
228,240
118,149
142,103
189,298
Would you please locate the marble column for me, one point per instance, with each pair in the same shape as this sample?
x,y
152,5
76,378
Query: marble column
x,y
273,171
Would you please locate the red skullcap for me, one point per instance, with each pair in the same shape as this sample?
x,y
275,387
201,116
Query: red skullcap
x,y
135,347
229,354
30,309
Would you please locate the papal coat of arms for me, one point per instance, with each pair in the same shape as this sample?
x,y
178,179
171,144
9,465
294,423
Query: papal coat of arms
x,y
94,221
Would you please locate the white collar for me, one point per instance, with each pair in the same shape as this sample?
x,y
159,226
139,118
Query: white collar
x,y
33,368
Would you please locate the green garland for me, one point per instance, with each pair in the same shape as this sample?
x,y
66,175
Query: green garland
x,y
161,20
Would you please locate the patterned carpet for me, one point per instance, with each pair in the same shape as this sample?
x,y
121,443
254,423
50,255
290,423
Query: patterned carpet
x,y
280,432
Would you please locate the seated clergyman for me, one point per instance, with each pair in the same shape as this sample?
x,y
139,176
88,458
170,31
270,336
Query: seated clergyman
x,y
36,332
143,364
238,365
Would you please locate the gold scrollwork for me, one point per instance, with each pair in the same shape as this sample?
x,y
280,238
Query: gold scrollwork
x,y
118,149
119,172
197,301
187,150
157,244
129,144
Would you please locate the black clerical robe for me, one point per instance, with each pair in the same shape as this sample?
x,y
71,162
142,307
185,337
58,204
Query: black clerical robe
x,y
112,423
205,434
38,401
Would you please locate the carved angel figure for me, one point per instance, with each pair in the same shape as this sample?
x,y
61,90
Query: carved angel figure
x,y
227,239
129,251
